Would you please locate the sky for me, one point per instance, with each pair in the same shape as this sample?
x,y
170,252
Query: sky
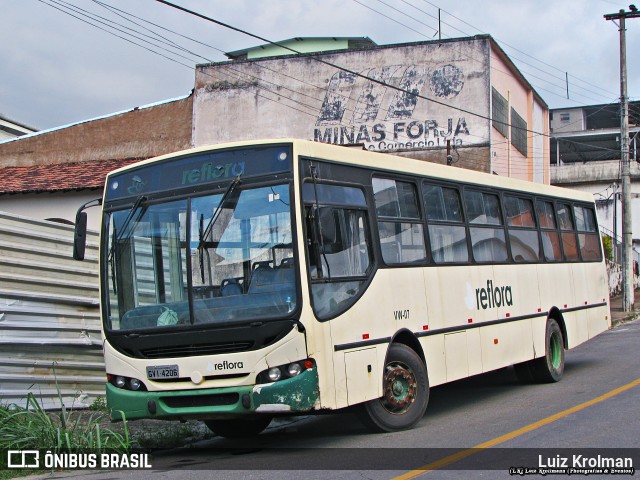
x,y
58,69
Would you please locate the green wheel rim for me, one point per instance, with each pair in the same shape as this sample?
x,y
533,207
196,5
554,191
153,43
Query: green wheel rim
x,y
555,348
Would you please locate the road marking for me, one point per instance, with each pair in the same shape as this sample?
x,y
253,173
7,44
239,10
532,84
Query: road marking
x,y
516,433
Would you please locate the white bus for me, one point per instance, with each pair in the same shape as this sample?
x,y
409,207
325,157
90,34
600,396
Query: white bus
x,y
248,280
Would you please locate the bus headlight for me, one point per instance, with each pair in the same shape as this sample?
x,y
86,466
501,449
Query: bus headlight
x,y
135,384
274,374
126,383
282,372
294,369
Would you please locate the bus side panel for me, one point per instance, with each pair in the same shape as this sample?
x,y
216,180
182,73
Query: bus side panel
x,y
505,344
521,297
553,293
581,299
434,352
320,347
455,298
598,319
394,300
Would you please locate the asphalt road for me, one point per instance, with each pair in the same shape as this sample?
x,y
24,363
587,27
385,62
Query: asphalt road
x,y
592,411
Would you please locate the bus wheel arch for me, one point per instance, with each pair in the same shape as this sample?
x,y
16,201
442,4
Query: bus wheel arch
x,y
550,367
405,392
556,315
409,339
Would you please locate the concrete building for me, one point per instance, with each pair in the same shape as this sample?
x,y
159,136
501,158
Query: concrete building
x,y
337,90
11,129
447,93
585,155
49,174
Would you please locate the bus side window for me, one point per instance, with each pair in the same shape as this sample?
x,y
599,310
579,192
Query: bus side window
x,y
588,238
523,235
549,230
338,246
568,235
399,224
487,233
447,233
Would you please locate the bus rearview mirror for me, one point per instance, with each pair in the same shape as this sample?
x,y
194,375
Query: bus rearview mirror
x,y
80,236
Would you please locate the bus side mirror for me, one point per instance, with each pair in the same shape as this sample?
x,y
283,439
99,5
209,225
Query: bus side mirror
x,y
80,236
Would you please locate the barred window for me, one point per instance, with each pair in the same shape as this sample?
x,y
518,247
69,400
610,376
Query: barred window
x,y
500,109
518,132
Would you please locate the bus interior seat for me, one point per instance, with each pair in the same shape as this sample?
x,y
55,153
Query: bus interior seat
x,y
230,286
268,279
390,252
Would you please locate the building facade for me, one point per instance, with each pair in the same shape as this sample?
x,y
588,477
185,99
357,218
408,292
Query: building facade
x,y
457,101
48,175
428,100
11,129
585,155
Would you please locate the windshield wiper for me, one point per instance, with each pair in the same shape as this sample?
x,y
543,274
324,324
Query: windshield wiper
x,y
132,212
204,232
319,238
118,236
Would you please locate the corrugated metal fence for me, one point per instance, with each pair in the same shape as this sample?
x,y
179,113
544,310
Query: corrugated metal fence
x,y
50,342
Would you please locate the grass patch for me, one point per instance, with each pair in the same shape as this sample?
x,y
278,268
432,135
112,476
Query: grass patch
x,y
30,427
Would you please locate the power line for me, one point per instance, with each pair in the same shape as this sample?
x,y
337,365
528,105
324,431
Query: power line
x,y
341,68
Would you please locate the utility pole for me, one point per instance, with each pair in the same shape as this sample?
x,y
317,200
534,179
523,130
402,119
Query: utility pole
x,y
627,239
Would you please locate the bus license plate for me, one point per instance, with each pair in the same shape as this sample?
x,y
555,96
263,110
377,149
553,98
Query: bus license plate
x,y
162,372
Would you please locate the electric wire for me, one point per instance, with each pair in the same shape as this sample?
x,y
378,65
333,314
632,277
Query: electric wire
x,y
176,46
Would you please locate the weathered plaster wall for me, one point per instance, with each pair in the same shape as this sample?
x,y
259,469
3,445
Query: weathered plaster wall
x,y
301,97
42,206
506,159
143,132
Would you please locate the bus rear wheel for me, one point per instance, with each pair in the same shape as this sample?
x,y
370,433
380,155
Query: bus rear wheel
x,y
405,393
239,427
550,367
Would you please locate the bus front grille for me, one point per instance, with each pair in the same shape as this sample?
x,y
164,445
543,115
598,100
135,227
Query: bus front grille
x,y
195,350
187,401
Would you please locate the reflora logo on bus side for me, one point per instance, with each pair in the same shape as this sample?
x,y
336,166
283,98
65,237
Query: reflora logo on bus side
x,y
492,296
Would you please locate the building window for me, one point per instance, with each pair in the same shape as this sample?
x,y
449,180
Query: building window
x,y
565,117
500,109
518,132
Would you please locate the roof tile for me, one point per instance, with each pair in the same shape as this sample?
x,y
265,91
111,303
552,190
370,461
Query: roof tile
x,y
59,176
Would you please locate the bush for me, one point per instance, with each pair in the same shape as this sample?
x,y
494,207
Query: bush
x,y
607,246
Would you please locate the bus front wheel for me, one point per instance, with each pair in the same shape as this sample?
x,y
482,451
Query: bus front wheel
x,y
239,427
405,393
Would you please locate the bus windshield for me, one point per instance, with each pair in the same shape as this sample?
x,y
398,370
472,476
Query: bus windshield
x,y
224,258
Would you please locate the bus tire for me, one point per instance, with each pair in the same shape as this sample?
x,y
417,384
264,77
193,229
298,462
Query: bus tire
x,y
405,393
239,427
550,367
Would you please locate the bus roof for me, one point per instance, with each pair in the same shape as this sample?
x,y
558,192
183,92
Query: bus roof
x,y
387,162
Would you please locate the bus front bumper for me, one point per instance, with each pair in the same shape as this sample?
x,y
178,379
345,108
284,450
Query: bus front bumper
x,y
297,394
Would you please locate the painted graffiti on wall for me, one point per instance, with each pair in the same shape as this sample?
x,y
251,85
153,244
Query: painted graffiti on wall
x,y
357,110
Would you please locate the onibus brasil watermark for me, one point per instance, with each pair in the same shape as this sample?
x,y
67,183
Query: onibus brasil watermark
x,y
39,459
